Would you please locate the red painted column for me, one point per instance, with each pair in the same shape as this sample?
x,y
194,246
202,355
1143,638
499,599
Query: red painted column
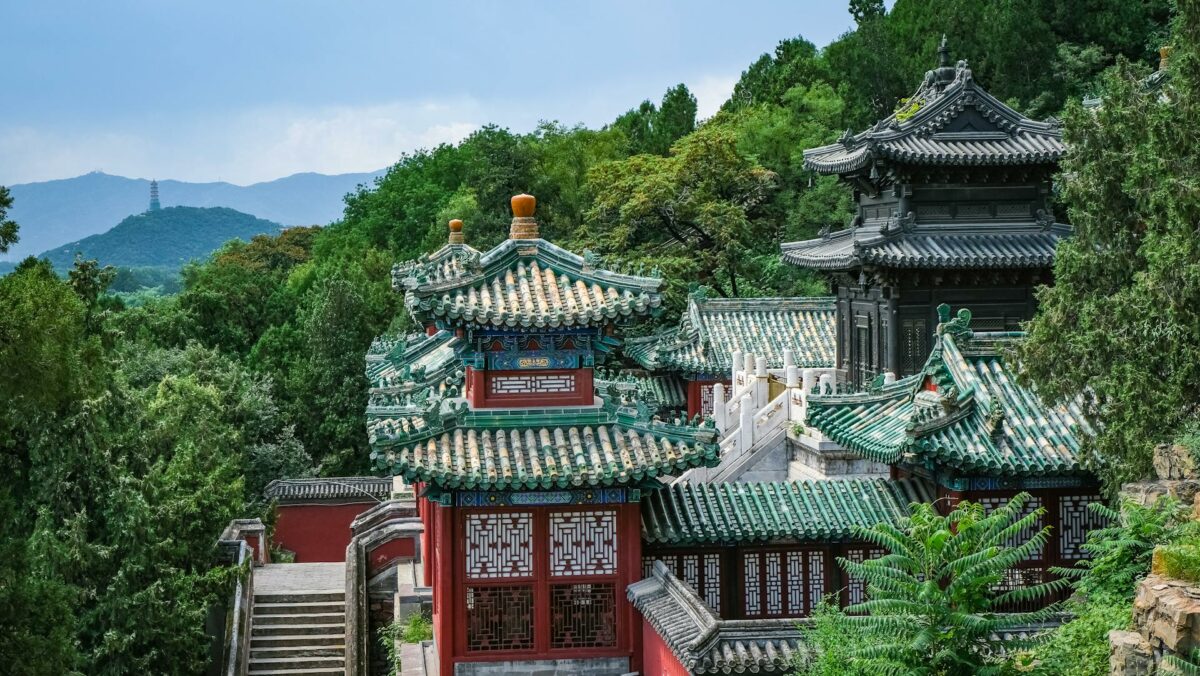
x,y
431,329
444,590
475,389
631,544
429,556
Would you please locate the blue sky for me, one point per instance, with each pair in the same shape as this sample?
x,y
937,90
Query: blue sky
x,y
251,90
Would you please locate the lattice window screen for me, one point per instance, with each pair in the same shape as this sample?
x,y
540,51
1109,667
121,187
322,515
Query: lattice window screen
x,y
1034,503
750,568
583,615
1075,520
856,589
816,579
499,545
498,618
583,543
712,581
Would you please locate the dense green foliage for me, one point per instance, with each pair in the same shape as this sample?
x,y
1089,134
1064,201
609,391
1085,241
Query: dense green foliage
x,y
168,238
1105,585
932,607
8,227
135,426
1122,323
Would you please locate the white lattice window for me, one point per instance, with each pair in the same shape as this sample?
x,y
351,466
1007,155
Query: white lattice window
x,y
750,567
774,583
856,587
499,545
1031,505
816,579
712,581
1075,521
583,543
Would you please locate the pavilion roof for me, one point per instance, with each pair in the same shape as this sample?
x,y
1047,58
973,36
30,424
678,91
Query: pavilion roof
x,y
744,512
521,284
711,329
537,448
965,411
949,121
669,391
404,372
1016,245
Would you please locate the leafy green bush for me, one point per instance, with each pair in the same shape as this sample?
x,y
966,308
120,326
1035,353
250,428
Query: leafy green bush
x,y
1187,666
932,605
831,645
1180,561
415,629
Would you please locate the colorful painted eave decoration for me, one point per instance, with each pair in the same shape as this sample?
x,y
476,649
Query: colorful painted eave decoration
x,y
965,411
711,513
521,284
453,448
713,328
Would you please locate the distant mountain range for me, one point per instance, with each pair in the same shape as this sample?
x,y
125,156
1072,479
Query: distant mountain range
x,y
165,238
53,213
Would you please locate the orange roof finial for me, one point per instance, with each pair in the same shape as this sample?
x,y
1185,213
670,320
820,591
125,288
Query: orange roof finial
x,y
456,233
524,225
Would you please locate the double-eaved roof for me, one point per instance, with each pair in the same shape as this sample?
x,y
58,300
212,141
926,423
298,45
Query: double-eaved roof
x,y
520,284
712,329
543,448
964,411
748,512
949,122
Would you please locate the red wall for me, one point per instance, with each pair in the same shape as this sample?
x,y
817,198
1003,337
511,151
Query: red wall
x,y
316,532
478,388
657,658
400,548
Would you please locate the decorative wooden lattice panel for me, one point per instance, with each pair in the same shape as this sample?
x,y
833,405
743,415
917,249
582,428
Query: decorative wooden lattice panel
x,y
1075,520
1032,504
583,543
499,618
700,571
583,615
499,545
856,588
783,583
751,565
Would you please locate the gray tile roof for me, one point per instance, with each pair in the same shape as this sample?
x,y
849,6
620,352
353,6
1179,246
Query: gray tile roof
x,y
931,134
356,488
989,247
706,644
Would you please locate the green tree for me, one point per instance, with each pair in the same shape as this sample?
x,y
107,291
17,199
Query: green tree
x,y
8,227
702,204
1121,325
932,605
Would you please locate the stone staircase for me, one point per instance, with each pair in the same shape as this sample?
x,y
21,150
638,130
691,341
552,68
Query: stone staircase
x,y
297,631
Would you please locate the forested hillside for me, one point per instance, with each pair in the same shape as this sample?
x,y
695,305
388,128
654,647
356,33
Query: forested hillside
x,y
166,238
129,436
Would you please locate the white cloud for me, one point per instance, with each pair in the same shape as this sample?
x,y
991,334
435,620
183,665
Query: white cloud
x,y
711,91
255,145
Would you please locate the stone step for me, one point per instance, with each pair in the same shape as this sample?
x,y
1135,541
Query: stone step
x,y
257,653
289,664
299,608
304,640
334,671
314,596
297,629
320,671
300,618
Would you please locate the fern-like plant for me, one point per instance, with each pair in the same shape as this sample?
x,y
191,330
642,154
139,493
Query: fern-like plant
x,y
1177,664
933,601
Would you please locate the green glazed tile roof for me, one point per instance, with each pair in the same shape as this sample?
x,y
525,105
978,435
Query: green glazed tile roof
x,y
405,371
668,391
703,513
521,284
537,448
712,329
964,411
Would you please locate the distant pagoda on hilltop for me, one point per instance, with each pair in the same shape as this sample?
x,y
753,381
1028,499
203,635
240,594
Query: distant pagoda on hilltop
x,y
154,203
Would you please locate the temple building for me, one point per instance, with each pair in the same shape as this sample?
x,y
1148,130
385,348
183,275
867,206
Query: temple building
x,y
677,504
953,206
530,484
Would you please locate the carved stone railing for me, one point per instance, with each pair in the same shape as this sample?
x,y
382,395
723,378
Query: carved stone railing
x,y
749,423
242,545
386,522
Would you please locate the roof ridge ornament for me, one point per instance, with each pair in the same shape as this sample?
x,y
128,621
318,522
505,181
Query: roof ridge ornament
x,y
524,225
958,327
